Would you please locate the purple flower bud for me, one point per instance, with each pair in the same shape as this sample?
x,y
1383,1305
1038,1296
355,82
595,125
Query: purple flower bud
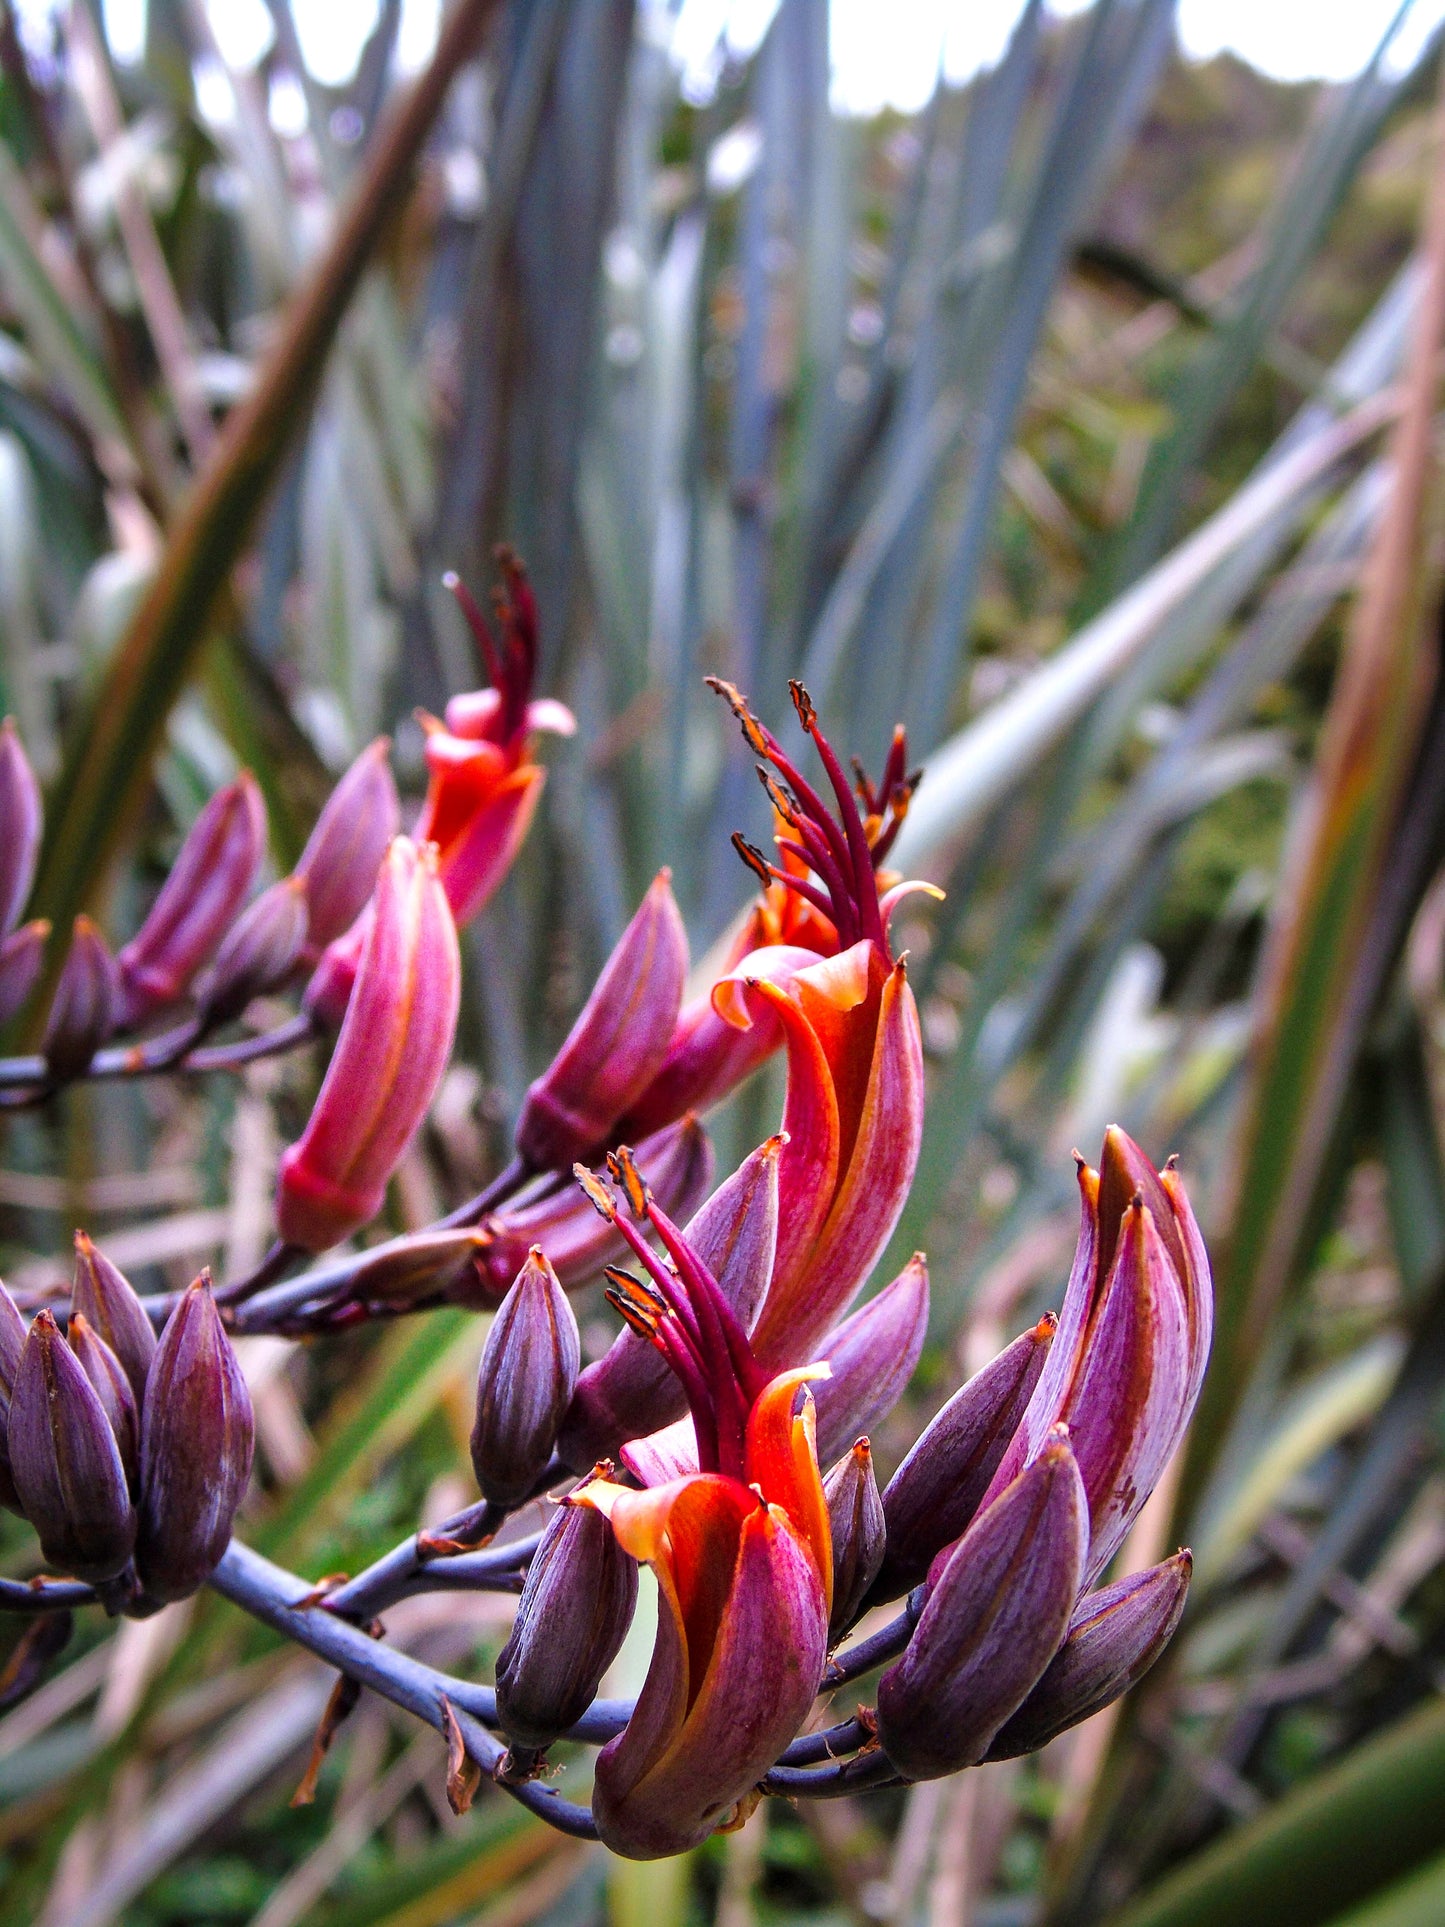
x,y
525,1383
196,1442
65,1462
256,953
1134,1335
994,1620
107,1301
933,1496
86,1005
21,955
112,1388
20,824
576,1607
338,867
618,1042
12,1343
855,1514
1115,1636
872,1356
632,1391
198,902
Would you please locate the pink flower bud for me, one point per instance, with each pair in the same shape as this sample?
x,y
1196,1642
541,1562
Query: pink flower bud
x,y
394,1044
343,853
198,901
20,822
86,1004
21,955
618,1042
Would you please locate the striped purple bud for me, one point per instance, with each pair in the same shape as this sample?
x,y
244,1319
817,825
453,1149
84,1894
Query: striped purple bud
x,y
933,1496
575,1609
678,1163
12,1343
86,1006
104,1296
525,1383
1115,1636
112,1388
197,1439
65,1461
855,1515
994,1620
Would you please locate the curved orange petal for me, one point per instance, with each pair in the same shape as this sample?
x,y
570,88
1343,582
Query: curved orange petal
x,y
663,1784
809,1165
821,1277
782,1461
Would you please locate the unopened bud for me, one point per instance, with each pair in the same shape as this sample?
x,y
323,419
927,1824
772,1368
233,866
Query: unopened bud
x,y
338,867
12,1343
525,1383
1115,1636
197,1439
394,1044
86,1005
994,1620
934,1494
65,1462
871,1357
112,1388
21,955
104,1296
618,1043
256,953
20,824
855,1514
198,902
576,1607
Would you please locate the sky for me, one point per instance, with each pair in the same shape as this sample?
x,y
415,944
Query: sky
x,y
886,53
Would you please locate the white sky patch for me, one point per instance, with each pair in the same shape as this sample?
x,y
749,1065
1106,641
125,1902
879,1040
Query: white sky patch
x,y
886,53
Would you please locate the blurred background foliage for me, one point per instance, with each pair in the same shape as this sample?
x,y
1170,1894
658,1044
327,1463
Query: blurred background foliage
x,y
1055,420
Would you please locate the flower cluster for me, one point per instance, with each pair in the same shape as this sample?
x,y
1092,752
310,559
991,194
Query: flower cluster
x,y
723,1437
128,1455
